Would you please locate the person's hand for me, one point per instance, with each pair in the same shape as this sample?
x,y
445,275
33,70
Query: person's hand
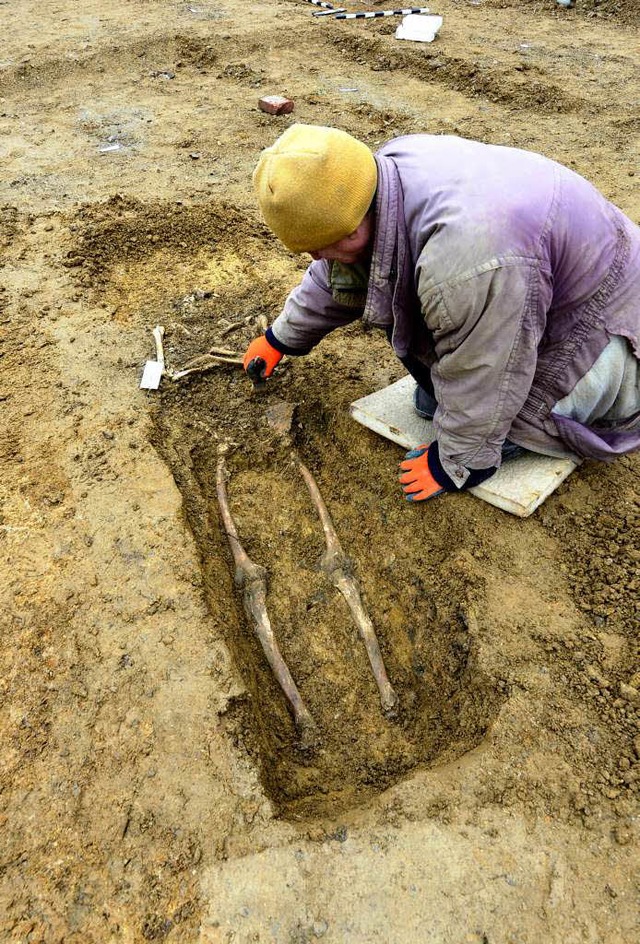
x,y
417,482
424,476
261,350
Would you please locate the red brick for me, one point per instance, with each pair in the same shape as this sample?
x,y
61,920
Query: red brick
x,y
275,105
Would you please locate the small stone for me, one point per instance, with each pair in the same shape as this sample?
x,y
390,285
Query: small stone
x,y
340,834
622,835
280,416
54,498
597,677
630,694
276,105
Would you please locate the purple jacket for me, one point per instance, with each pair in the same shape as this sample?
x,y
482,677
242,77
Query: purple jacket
x,y
506,274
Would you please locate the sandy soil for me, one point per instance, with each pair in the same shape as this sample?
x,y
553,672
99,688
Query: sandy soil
x,y
153,786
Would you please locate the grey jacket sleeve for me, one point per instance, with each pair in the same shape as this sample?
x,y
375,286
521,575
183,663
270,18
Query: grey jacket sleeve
x,y
486,325
310,312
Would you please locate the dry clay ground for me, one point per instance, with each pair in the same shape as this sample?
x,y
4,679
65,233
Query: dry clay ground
x,y
152,784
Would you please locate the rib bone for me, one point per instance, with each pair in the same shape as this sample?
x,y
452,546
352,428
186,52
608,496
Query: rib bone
x,y
252,580
338,567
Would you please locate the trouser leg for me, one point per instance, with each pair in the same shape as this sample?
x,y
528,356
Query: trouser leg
x,y
425,403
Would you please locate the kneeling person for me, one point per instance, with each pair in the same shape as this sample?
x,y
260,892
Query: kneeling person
x,y
507,284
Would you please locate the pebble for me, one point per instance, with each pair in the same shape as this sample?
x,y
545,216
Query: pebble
x,y
596,676
622,835
340,834
630,694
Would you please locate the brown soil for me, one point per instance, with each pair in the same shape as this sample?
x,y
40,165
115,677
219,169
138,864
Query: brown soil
x,y
146,746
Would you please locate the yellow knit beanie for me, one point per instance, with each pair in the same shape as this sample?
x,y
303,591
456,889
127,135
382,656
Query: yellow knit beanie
x,y
314,186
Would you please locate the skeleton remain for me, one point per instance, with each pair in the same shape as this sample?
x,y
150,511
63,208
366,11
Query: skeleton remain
x,y
252,580
205,362
338,568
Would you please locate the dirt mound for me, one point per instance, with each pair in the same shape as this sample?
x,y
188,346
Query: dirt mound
x,y
625,11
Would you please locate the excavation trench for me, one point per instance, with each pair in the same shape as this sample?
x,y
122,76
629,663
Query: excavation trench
x,y
212,273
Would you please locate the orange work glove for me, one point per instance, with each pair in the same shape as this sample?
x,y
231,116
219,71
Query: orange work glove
x,y
418,482
424,476
261,350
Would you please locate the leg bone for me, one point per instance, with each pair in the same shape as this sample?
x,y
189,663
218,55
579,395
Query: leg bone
x,y
252,580
339,568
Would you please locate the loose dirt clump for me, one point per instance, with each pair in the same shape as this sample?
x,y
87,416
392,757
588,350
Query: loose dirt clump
x,y
622,11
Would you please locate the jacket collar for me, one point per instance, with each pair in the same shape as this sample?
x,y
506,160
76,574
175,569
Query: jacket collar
x,y
391,275
378,305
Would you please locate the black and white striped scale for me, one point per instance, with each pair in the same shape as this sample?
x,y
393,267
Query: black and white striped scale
x,y
321,3
377,13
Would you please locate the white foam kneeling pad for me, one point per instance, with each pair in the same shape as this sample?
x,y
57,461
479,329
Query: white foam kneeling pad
x,y
519,486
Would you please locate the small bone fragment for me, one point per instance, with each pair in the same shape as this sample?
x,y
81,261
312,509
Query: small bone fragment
x,y
338,567
203,364
252,580
235,326
153,370
202,360
158,335
223,351
178,326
